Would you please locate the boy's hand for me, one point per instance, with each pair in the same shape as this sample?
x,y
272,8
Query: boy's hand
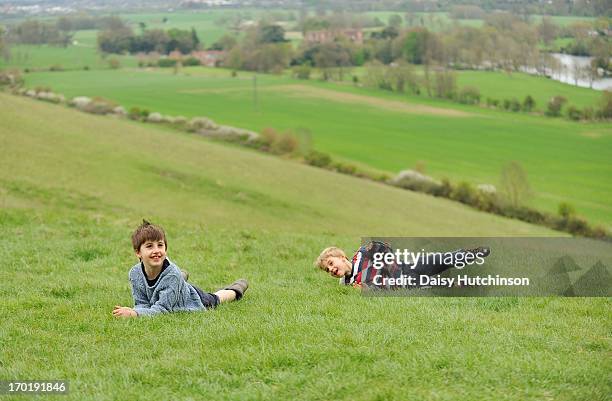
x,y
124,311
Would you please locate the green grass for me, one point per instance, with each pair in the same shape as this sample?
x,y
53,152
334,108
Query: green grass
x,y
75,57
559,156
437,21
501,86
73,186
210,25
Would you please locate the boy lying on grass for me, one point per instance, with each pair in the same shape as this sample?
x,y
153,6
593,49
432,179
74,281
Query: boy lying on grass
x,y
159,286
363,271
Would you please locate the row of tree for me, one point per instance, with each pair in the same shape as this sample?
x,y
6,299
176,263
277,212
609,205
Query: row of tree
x,y
60,31
121,39
36,32
591,8
505,42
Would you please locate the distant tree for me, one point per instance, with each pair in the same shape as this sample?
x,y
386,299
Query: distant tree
x,y
389,32
528,103
605,109
114,23
182,40
515,105
376,22
115,40
469,95
589,71
271,34
415,45
601,50
398,77
36,32
445,84
4,49
302,71
263,57
514,184
194,38
152,40
395,21
574,113
64,24
547,30
402,77
420,46
566,210
554,106
226,42
332,58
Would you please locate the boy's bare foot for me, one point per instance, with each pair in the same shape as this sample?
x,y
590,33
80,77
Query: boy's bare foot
x,y
239,287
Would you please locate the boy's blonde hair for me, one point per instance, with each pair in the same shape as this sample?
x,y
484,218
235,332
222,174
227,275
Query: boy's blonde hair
x,y
332,251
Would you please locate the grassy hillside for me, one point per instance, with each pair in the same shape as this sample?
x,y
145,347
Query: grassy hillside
x,y
380,130
249,188
73,186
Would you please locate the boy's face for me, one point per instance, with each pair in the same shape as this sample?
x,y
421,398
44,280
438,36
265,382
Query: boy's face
x,y
338,266
152,253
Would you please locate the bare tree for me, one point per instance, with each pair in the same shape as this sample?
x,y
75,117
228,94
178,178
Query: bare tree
x,y
514,184
577,72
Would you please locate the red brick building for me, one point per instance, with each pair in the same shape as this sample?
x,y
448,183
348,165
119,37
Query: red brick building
x,y
354,35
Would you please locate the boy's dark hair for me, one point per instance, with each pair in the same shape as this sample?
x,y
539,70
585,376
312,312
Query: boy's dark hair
x,y
147,232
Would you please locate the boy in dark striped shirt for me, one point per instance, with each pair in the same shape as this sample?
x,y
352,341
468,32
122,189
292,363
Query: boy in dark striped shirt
x,y
362,270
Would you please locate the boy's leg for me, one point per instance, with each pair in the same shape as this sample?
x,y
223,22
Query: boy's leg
x,y
209,300
226,295
235,291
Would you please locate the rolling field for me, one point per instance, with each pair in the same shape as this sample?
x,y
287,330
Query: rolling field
x,y
381,130
73,186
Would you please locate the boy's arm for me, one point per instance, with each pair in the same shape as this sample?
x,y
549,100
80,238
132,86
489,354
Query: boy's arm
x,y
168,296
139,294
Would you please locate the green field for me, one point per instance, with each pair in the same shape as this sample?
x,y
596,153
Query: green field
x,y
210,25
441,20
73,186
83,53
383,130
501,86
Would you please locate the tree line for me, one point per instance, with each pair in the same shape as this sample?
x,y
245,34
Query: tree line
x,y
505,42
587,8
120,38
